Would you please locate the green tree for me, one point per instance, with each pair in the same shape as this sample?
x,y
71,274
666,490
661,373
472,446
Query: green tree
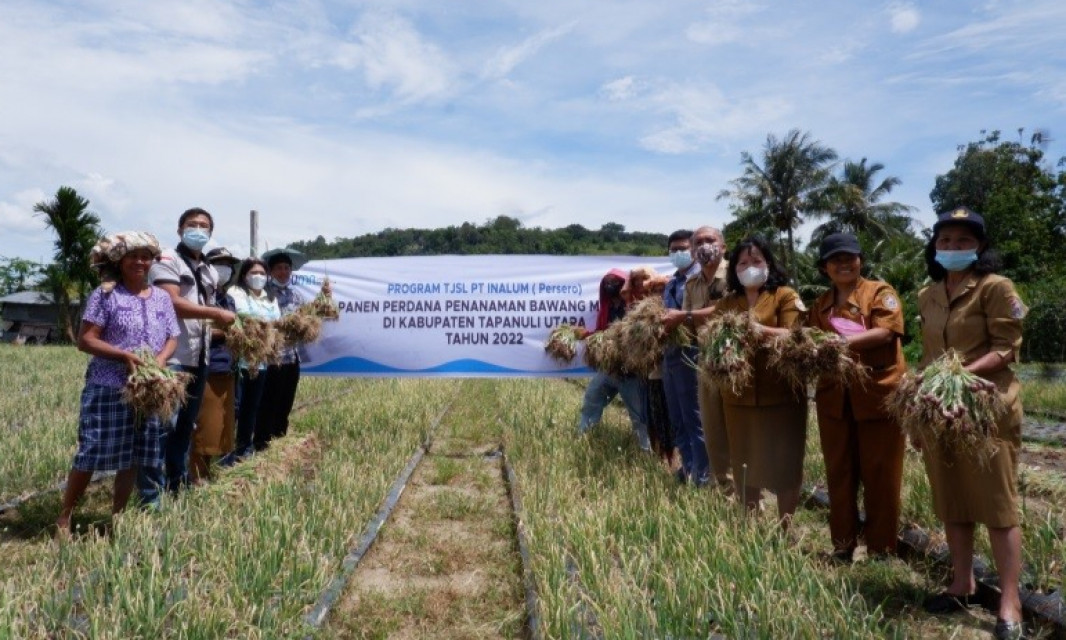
x,y
1021,198
778,191
17,274
76,229
853,202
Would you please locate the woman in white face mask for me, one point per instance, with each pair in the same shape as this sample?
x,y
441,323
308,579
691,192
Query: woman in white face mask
x,y
250,298
766,421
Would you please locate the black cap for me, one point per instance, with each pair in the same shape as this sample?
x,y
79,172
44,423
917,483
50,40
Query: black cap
x,y
959,214
835,243
221,254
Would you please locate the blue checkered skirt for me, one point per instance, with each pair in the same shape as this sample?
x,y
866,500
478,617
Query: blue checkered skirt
x,y
110,435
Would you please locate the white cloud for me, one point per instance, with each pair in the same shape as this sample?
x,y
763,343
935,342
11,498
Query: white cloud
x,y
393,55
18,217
621,89
703,116
723,23
506,59
904,18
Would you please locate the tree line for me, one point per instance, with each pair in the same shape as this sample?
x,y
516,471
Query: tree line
x,y
792,180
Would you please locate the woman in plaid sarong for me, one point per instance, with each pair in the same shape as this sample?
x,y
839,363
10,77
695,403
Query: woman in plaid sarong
x,y
123,314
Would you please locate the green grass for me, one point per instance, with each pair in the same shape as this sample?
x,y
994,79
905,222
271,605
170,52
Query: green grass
x,y
617,548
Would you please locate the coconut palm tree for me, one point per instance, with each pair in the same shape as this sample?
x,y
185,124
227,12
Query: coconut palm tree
x,y
852,202
77,229
787,184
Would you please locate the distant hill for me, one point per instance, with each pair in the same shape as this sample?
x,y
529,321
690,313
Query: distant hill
x,y
503,235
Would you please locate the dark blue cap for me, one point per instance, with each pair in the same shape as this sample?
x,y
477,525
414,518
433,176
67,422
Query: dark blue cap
x,y
835,243
959,214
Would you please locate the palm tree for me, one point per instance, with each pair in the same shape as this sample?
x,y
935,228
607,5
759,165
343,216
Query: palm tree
x,y
852,202
788,183
77,229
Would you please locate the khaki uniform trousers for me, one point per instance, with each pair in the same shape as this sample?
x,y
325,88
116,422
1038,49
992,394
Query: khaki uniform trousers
x,y
715,436
870,453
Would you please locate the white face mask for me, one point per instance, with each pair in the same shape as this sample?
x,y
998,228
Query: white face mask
x,y
256,281
224,273
753,276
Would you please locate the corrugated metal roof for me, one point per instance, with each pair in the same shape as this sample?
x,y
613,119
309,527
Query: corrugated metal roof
x,y
31,297
28,297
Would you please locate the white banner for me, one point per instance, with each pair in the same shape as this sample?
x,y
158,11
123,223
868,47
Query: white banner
x,y
459,316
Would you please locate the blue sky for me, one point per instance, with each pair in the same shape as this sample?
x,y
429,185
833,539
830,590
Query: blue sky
x,y
341,118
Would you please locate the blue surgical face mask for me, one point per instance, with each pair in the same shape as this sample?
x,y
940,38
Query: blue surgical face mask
x,y
956,260
195,238
681,259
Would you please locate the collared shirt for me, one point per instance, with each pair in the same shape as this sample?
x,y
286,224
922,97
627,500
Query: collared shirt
x,y
674,293
289,300
128,321
984,315
701,292
780,308
873,304
195,333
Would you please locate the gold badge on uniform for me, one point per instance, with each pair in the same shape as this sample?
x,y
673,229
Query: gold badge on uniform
x,y
1017,308
960,213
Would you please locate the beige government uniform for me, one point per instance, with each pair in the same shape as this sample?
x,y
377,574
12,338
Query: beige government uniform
x,y
861,443
767,422
702,292
983,315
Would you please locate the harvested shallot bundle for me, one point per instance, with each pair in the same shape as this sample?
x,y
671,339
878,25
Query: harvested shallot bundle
x,y
806,354
154,391
727,345
562,343
946,405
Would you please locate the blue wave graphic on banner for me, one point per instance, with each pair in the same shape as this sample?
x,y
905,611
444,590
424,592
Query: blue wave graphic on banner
x,y
354,365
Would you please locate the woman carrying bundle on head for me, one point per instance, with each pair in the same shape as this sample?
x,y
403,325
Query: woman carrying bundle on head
x,y
766,419
251,300
978,314
861,442
126,321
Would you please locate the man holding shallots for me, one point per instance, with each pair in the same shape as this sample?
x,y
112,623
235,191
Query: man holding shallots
x,y
123,316
190,281
978,314
702,292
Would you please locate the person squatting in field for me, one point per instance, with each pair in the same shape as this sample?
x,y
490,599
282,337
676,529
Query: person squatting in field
x,y
123,315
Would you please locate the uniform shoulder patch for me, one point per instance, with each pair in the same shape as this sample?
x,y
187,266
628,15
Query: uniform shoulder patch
x,y
1017,308
799,304
891,302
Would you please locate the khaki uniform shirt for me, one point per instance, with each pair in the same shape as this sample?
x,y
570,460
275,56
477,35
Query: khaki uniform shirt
x,y
873,304
701,293
983,315
780,308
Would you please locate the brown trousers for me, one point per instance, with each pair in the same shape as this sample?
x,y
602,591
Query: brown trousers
x,y
715,437
870,453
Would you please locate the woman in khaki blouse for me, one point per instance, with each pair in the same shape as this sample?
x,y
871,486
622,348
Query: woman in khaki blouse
x,y
767,421
972,310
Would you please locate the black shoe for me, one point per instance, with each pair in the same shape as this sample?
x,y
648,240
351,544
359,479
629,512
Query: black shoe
x,y
945,602
1009,630
842,557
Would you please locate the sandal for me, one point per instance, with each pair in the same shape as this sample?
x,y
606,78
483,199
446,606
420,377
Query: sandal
x,y
945,602
1013,630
